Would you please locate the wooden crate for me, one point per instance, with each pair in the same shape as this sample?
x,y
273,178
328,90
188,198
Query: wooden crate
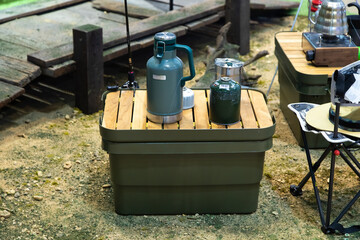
x,y
127,110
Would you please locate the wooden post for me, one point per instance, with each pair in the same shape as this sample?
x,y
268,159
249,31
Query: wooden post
x,y
88,55
238,13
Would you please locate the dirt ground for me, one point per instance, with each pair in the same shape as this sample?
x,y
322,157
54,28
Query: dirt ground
x,y
55,179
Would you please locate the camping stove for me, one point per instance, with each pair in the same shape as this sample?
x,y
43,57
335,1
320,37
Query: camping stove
x,y
329,50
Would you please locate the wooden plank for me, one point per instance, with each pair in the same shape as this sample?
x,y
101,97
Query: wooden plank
x,y
200,110
8,93
187,119
254,4
152,125
17,72
180,3
88,54
292,54
117,18
111,110
272,5
14,50
34,8
247,112
171,126
205,21
261,110
17,37
151,25
238,13
142,9
22,66
125,109
213,125
139,114
13,76
122,49
109,54
59,69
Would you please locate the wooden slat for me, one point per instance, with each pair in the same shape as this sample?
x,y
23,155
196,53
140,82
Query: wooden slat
x,y
17,72
142,9
187,119
171,126
34,8
294,54
246,111
288,46
139,114
213,125
152,125
13,50
151,25
125,109
200,110
111,110
8,93
261,111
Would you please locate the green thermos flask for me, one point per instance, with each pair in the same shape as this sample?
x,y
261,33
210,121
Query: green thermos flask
x,y
165,79
225,95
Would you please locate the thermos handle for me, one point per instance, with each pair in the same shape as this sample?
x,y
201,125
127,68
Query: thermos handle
x,y
191,63
309,13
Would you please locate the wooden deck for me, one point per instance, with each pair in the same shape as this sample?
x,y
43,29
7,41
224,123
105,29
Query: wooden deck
x,y
126,110
32,45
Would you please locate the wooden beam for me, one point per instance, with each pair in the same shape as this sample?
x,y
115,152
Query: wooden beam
x,y
8,93
146,27
90,69
238,13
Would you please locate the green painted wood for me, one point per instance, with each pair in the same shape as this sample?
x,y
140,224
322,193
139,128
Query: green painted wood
x,y
42,30
17,72
34,8
14,50
8,93
48,57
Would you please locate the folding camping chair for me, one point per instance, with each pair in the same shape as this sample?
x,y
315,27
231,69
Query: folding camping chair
x,y
336,148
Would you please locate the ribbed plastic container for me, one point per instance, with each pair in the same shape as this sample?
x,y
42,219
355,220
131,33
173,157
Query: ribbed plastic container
x,y
186,171
299,87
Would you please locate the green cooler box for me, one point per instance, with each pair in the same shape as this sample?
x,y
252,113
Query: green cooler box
x,y
300,81
188,167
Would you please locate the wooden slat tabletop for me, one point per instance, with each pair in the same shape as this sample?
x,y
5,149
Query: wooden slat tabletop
x,y
126,110
290,43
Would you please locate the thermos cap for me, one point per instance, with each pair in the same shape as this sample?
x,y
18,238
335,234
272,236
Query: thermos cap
x,y
228,63
226,79
167,37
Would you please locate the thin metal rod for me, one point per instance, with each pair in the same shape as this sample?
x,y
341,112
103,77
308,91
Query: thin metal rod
x,y
315,167
350,164
312,174
347,207
128,37
355,161
292,28
336,119
331,187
